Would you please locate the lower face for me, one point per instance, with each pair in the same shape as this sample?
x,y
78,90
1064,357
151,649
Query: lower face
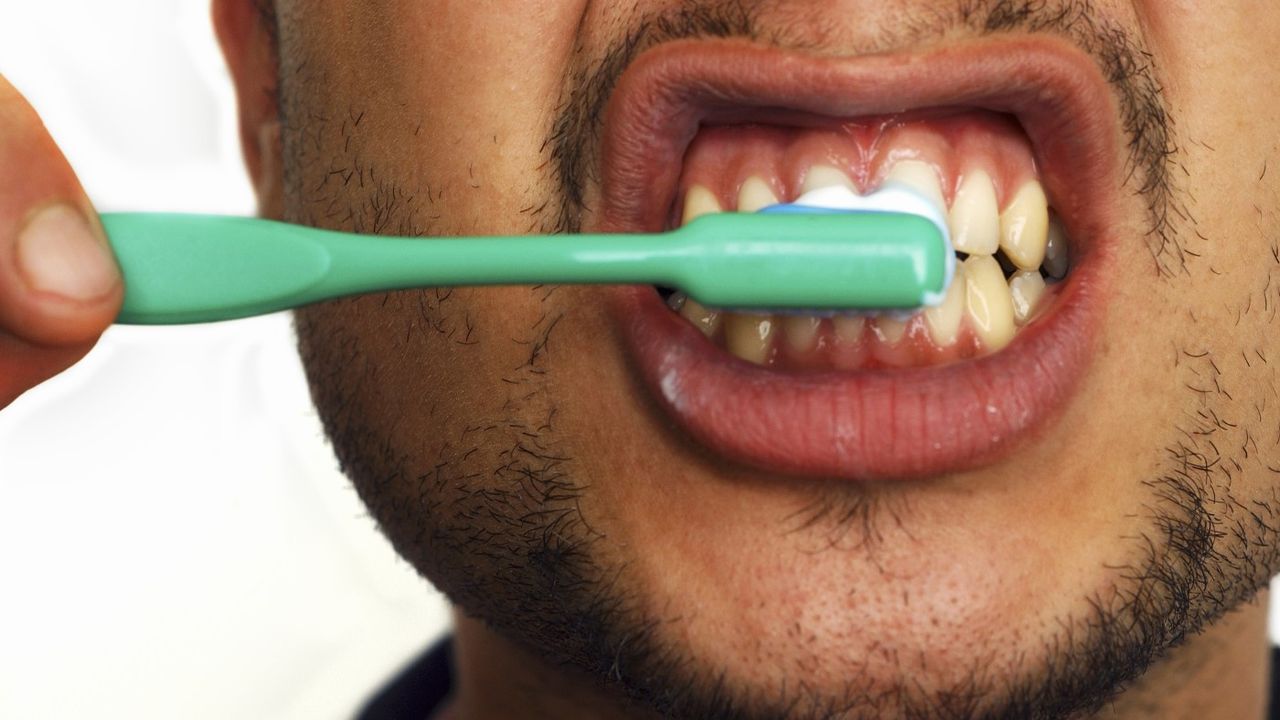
x,y
874,512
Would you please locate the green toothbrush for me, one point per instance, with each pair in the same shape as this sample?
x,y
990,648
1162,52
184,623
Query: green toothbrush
x,y
827,251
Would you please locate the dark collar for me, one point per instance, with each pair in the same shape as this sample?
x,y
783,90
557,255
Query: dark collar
x,y
418,690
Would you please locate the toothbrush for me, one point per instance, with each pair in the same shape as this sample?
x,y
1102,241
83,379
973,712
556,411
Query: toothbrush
x,y
831,250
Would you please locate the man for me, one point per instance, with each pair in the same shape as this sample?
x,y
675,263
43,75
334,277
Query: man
x,y
1053,496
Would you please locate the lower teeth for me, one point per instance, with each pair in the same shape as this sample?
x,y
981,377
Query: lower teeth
x,y
989,302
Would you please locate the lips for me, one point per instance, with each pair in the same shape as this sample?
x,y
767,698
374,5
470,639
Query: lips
x,y
870,424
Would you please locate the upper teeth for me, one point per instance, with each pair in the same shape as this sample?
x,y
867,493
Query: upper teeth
x,y
975,216
1055,251
1024,227
825,176
979,294
755,195
920,177
698,202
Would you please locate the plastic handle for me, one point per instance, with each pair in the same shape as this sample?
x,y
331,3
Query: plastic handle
x,y
195,268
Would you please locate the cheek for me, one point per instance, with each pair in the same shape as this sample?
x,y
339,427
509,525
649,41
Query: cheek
x,y
1215,59
466,96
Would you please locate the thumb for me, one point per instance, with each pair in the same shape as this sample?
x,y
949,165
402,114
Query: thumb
x,y
59,283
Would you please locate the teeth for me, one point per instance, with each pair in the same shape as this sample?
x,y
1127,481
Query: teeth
x,y
750,336
755,195
944,320
1028,237
825,176
848,329
1024,227
988,303
801,332
706,320
1026,288
975,216
698,202
890,330
1056,260
921,177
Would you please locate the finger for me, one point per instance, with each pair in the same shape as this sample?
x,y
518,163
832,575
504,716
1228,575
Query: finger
x,y
59,283
23,365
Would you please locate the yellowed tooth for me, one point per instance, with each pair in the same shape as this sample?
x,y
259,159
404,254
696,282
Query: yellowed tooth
x,y
1024,227
944,321
975,215
921,177
848,328
988,303
890,330
750,337
755,195
699,201
1056,259
1026,289
801,332
702,317
825,176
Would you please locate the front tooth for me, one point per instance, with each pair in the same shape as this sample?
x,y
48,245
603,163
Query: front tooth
x,y
889,330
944,320
702,317
1055,254
825,176
749,336
975,216
1026,288
988,303
848,329
921,177
1024,227
755,195
699,201
801,332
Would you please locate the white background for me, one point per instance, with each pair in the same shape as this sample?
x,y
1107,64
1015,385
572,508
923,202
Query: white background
x,y
175,538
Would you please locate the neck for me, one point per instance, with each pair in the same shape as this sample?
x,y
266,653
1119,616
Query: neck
x,y
1221,673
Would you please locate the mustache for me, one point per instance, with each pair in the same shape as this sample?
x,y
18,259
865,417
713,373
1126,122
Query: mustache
x,y
573,143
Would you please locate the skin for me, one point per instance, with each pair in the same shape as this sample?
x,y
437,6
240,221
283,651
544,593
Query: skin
x,y
604,566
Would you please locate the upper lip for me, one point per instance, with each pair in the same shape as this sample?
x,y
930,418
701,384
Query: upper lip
x,y
1055,90
1064,104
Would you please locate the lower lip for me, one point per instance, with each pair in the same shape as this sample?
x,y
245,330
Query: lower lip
x,y
866,425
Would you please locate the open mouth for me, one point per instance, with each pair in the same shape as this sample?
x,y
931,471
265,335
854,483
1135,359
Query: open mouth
x,y
976,168
1015,141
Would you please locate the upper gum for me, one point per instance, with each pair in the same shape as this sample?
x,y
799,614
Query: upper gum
x,y
723,158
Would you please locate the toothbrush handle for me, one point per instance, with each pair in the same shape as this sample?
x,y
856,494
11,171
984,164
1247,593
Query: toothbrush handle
x,y
194,268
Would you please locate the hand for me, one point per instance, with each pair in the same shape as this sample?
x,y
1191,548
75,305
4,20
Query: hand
x,y
59,284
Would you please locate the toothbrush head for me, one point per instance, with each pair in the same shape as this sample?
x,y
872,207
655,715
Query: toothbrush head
x,y
831,250
893,197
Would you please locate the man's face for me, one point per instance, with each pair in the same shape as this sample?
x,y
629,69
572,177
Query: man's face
x,y
1018,500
